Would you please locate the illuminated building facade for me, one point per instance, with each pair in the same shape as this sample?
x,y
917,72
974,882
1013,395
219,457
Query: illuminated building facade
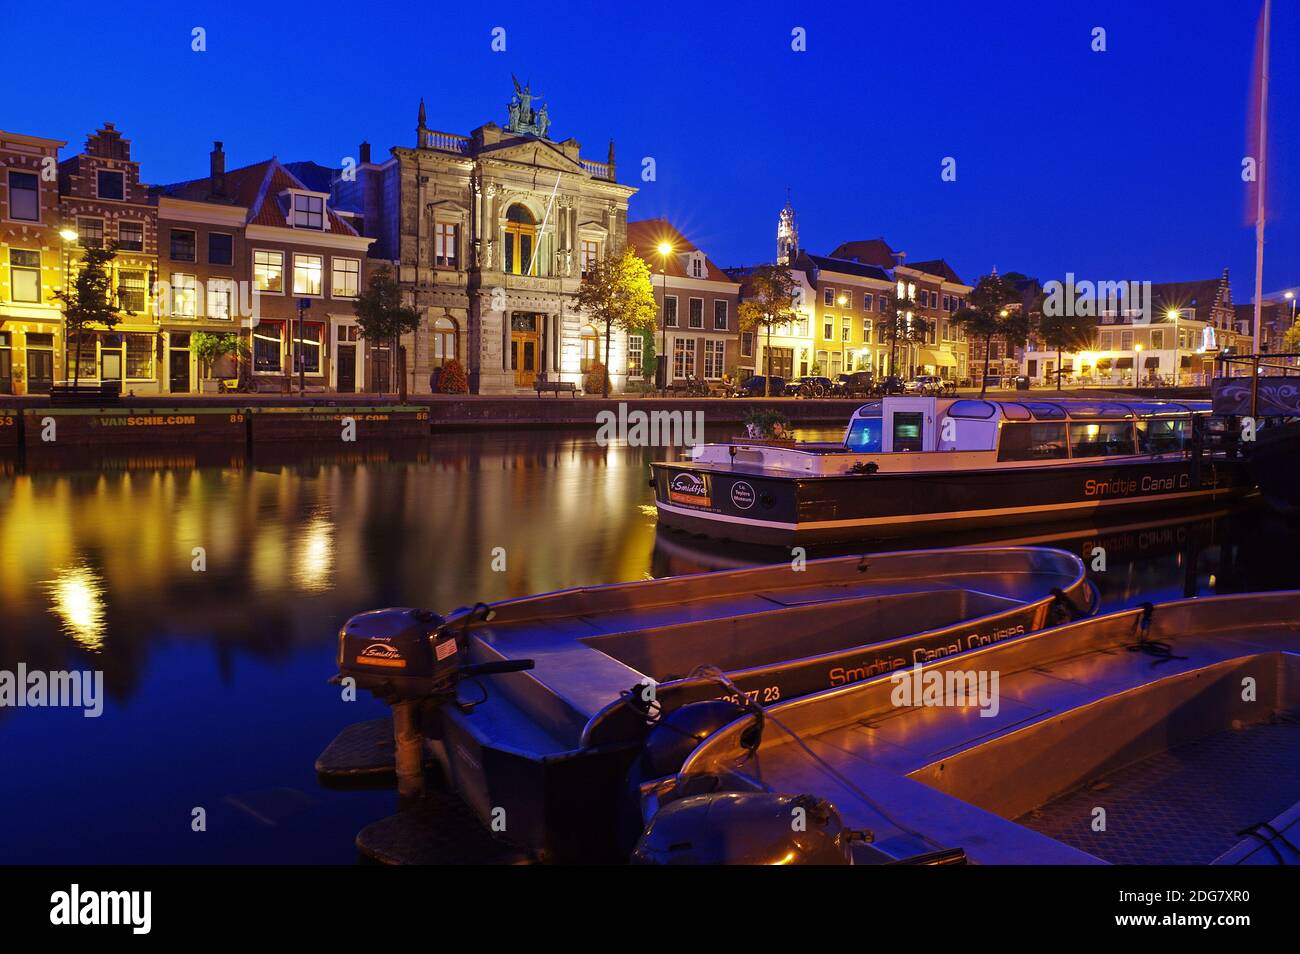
x,y
491,233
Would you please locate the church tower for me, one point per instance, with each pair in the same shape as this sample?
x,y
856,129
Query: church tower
x,y
787,235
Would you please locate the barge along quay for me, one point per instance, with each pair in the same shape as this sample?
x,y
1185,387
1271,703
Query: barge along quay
x,y
913,465
554,737
1142,712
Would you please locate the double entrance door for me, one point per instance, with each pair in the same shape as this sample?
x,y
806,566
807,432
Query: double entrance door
x,y
526,352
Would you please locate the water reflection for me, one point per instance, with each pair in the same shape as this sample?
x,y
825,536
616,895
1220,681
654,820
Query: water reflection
x,y
220,670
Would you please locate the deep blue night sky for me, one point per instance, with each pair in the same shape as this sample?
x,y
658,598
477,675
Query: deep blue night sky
x,y
1115,165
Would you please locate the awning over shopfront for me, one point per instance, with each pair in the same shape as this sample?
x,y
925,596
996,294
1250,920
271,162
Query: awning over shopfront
x,y
940,359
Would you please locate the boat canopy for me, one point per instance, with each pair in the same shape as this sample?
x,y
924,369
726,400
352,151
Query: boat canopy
x,y
980,409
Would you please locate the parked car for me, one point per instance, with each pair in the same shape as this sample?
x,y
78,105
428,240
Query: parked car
x,y
924,384
892,384
856,384
810,386
753,386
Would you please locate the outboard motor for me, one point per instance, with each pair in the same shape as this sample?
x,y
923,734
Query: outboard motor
x,y
747,828
410,659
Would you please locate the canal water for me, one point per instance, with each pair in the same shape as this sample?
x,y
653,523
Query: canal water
x,y
208,588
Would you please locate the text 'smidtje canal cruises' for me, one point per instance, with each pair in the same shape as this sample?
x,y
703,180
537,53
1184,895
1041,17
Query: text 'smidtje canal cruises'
x,y
915,464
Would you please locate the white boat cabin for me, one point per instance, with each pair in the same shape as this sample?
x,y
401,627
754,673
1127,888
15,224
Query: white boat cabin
x,y
897,434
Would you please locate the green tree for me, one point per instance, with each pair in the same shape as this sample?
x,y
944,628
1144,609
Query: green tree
x,y
769,301
381,316
897,325
210,349
989,314
90,301
616,294
649,357
1064,332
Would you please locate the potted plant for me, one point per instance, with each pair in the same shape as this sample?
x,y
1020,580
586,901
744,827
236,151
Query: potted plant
x,y
453,380
209,349
768,426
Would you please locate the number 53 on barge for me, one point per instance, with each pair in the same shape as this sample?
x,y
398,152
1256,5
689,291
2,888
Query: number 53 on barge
x,y
920,464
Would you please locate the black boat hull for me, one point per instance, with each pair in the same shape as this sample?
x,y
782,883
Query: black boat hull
x,y
791,510
1273,458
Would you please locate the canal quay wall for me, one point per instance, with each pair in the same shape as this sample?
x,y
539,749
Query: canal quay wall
x,y
365,419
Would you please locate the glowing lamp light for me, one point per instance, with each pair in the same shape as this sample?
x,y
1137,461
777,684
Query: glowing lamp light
x,y
1138,346
68,235
842,300
1172,314
665,248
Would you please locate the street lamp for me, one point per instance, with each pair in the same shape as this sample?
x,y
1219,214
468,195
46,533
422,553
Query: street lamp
x,y
1173,315
1137,363
69,236
665,249
842,301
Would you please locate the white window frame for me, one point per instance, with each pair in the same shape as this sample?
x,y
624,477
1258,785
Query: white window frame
x,y
138,224
294,196
256,284
334,272
216,289
320,270
192,287
715,358
9,192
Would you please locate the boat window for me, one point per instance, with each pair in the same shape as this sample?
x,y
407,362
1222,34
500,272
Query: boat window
x,y
1163,435
1101,439
1032,442
1047,412
1015,412
864,434
870,410
907,430
980,410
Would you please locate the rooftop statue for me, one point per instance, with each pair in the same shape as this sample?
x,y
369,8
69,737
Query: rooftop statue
x,y
524,119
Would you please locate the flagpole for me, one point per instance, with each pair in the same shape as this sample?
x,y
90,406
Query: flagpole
x,y
1259,189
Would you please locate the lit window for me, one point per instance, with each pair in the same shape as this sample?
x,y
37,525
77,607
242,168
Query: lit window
x,y
24,275
445,242
683,357
268,271
221,297
714,352
635,351
308,211
590,255
130,290
346,280
308,273
184,294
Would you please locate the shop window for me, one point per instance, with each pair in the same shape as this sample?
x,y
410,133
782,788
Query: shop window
x,y
267,349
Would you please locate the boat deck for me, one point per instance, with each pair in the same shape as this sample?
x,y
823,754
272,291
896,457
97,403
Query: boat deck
x,y
1065,720
1184,806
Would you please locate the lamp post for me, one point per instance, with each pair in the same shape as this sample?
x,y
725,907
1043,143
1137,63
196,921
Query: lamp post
x,y
665,249
69,235
1137,363
844,320
299,345
1173,315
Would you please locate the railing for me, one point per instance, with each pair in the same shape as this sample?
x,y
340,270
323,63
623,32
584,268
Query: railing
x,y
444,141
599,170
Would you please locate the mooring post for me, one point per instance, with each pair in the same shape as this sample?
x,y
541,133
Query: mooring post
x,y
409,741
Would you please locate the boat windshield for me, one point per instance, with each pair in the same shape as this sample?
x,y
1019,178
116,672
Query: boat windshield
x,y
864,434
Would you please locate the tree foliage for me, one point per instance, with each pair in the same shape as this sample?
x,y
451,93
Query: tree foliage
x,y
381,315
769,301
90,301
616,294
994,309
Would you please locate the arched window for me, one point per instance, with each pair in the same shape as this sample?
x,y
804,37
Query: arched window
x,y
444,341
590,351
521,234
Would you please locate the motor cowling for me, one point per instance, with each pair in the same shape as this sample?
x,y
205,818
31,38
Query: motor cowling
x,y
746,828
399,654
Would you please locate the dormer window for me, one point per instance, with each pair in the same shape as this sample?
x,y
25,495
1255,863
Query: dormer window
x,y
697,266
308,211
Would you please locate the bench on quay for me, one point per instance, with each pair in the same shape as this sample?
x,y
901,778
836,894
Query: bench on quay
x,y
555,387
90,394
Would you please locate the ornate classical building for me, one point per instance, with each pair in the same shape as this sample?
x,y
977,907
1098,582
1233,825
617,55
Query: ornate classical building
x,y
491,233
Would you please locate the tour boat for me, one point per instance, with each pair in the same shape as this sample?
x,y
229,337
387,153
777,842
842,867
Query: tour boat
x,y
1161,734
581,673
921,464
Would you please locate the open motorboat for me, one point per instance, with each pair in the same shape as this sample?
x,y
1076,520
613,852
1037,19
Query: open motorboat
x,y
1162,734
912,465
581,673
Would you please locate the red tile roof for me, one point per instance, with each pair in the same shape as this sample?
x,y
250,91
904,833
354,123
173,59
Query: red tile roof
x,y
644,238
258,188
